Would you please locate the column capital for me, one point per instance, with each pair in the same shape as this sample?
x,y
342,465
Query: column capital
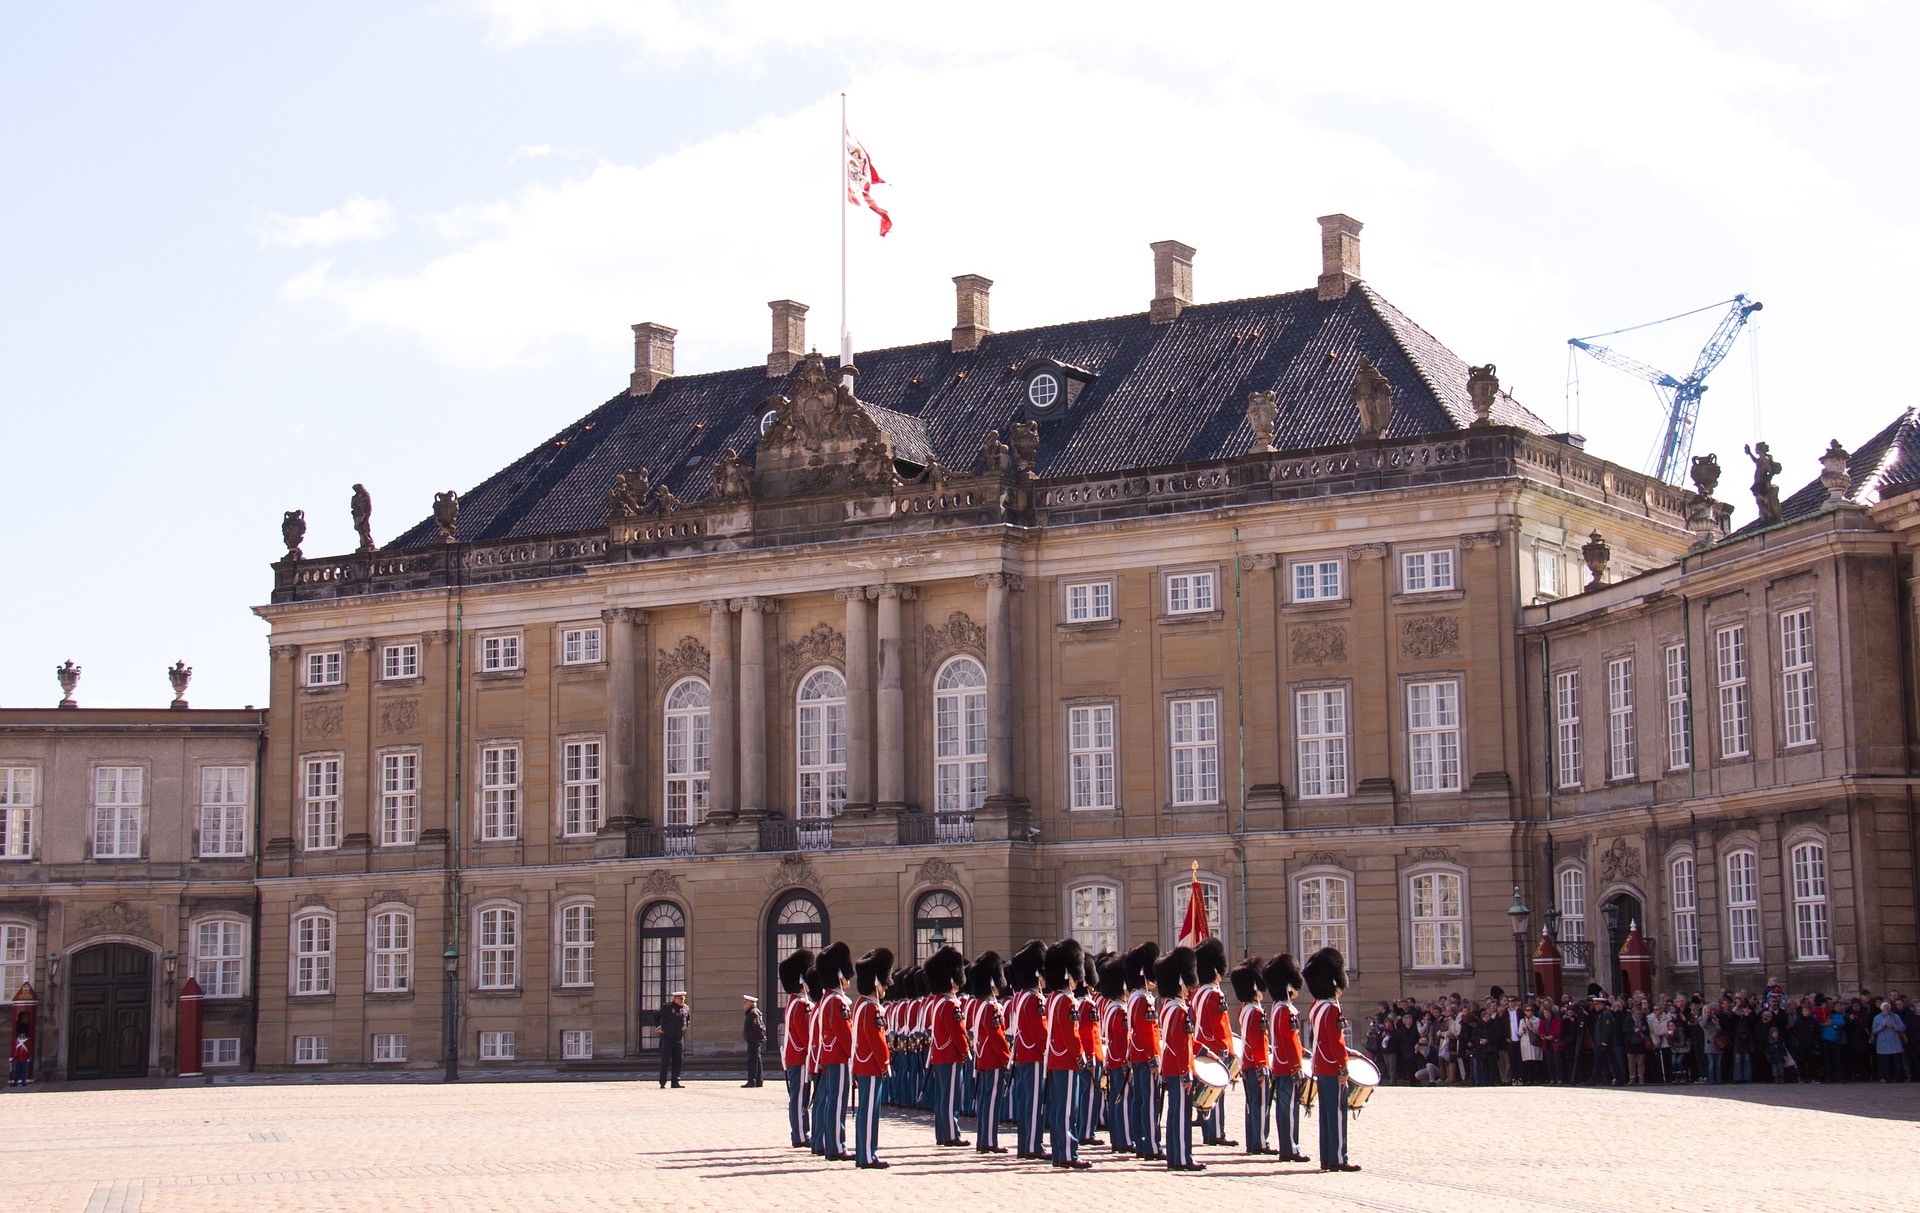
x,y
1367,551
1003,581
443,636
1492,539
713,606
353,644
283,652
614,615
854,593
766,606
1259,560
892,589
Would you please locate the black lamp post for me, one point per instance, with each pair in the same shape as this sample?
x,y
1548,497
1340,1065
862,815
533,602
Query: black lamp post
x,y
1517,915
450,959
1611,912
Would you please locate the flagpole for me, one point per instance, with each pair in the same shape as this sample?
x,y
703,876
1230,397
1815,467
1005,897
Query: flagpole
x,y
846,336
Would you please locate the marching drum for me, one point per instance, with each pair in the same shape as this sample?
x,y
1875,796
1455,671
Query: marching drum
x,y
1307,1092
1362,1077
1235,1065
1212,1080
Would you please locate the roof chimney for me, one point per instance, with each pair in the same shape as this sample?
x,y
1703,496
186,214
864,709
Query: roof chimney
x,y
970,312
1339,254
1172,280
652,357
789,337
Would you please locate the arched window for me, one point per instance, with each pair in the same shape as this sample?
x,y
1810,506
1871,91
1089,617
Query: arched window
x,y
1811,936
797,920
1093,915
313,953
960,736
1572,904
390,947
822,745
499,947
689,761
1686,910
663,964
1437,919
1322,908
1743,908
576,944
938,921
220,957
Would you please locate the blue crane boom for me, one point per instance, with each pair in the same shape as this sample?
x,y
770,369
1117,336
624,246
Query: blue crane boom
x,y
1682,395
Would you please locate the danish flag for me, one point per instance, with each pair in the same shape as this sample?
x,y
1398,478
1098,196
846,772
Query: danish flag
x,y
861,178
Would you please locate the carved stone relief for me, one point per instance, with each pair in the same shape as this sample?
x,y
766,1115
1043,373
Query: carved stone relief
x,y
958,634
1320,859
794,870
1318,644
660,884
1429,855
937,871
324,720
384,897
399,716
687,657
820,644
1424,636
116,918
1620,862
312,901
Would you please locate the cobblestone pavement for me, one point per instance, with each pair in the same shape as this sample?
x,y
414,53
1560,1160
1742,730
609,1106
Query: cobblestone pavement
x,y
714,1146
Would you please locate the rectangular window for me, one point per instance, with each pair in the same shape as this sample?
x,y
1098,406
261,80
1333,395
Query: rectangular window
x,y
1425,572
496,1046
1433,735
220,1051
1546,567
1620,751
1195,756
1316,580
1188,593
1096,917
1089,601
219,955
1321,733
579,788
400,661
1743,908
1566,728
499,653
323,669
392,952
1679,709
309,1050
16,817
1090,757
499,793
320,815
389,1046
1811,936
499,949
118,793
576,945
1439,932
313,955
1323,915
579,646
1796,677
223,812
1573,905
1686,913
16,954
399,798
576,1045
1730,668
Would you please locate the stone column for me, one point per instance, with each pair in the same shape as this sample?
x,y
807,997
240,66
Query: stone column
x,y
859,699
619,623
722,801
1000,587
753,703
890,704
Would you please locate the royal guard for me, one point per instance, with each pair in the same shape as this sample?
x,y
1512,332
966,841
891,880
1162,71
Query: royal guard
x,y
816,980
1064,965
871,1056
1211,1032
992,1058
968,1080
1326,978
947,1043
1110,979
833,1023
1027,1022
921,1095
1254,1059
795,1027
1086,1091
1175,976
1281,977
1143,1053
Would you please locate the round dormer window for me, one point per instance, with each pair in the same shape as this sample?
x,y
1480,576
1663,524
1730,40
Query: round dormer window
x,y
766,421
1043,389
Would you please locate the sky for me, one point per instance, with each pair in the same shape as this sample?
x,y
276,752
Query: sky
x,y
251,255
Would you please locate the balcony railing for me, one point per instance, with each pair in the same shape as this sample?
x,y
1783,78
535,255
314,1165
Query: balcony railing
x,y
657,842
809,834
922,829
1576,953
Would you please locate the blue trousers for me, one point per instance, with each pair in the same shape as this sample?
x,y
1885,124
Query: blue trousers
x,y
866,1121
833,1109
1333,1120
817,1113
1253,1084
986,1117
1213,1121
946,1103
1286,1112
798,1118
1028,1097
969,1088
1060,1089
1179,1122
1145,1108
1086,1091
1119,1103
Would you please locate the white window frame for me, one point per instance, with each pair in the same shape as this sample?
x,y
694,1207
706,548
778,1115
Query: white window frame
x,y
501,773
576,1044
309,1050
1429,571
390,943
1679,685
326,668
1319,579
582,786
16,957
1193,750
18,788
1570,898
1092,755
218,1051
1811,888
1799,705
399,661
687,747
1567,759
574,928
1089,601
496,1046
1731,669
1433,927
1432,734
1321,744
1323,911
1683,877
1745,945
119,811
583,645
500,652
1621,763
220,956
959,736
313,933
1191,592
224,801
320,793
820,752
400,797
389,1047
1087,911
1546,573
496,954
1213,889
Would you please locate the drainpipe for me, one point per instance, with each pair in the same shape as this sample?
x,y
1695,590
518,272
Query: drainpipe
x,y
253,983
451,957
1240,716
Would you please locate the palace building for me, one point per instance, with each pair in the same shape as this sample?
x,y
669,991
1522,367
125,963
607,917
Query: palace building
x,y
997,637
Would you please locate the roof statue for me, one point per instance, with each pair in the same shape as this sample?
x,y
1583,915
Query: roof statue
x,y
627,499
1026,445
1373,396
362,506
1262,409
1766,494
1483,386
821,439
446,514
293,529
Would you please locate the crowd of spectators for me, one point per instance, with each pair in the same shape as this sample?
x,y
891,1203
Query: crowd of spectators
x,y
1599,1039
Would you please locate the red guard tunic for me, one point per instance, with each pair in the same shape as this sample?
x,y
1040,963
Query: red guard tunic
x,y
1253,1034
1176,1045
1210,1028
1287,1055
1329,1046
871,1057
1029,1028
949,1044
1063,1035
835,1019
799,1021
1113,1025
1090,1032
1143,1030
990,1050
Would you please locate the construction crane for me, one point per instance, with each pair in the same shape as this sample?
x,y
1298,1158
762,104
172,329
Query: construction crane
x,y
1681,396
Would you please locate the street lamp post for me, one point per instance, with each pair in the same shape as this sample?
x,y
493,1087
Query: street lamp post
x,y
450,959
1517,915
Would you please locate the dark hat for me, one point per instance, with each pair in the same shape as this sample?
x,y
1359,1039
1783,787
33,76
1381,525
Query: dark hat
x,y
1282,977
1246,979
1089,971
1110,975
793,970
1594,990
874,970
943,970
1172,969
1325,973
1211,957
1024,969
815,979
1065,960
1496,992
834,964
984,975
1138,964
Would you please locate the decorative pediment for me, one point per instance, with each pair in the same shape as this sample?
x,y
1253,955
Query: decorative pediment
x,y
821,441
1429,855
937,871
687,657
1320,859
1620,862
116,918
660,884
821,644
959,634
794,870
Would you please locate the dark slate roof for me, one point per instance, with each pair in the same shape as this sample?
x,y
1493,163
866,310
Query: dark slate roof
x,y
1886,463
1162,394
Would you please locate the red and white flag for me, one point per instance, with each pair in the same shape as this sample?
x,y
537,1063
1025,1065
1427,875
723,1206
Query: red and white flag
x,y
1193,924
861,178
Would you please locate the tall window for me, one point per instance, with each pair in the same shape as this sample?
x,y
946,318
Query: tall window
x,y
400,661
320,808
1322,914
1796,677
663,961
1811,937
937,916
499,793
1089,602
1566,728
1730,668
1686,911
960,736
499,653
1679,709
499,948
1188,593
1439,926
1620,764
223,811
1094,914
117,796
1546,568
16,816
1320,717
823,744
399,798
392,943
1424,572
313,954
579,788
1213,896
323,669
1195,757
1433,735
576,944
1317,580
16,955
1743,908
579,646
689,757
219,956
1090,757
1573,904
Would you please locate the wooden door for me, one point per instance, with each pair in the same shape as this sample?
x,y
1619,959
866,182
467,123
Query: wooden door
x,y
110,1031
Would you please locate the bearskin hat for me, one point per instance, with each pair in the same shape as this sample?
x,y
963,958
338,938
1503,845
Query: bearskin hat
x,y
1138,964
1282,977
874,970
1110,975
1089,971
943,970
1173,970
1325,973
1210,956
1024,969
793,970
834,964
1246,979
1064,960
985,975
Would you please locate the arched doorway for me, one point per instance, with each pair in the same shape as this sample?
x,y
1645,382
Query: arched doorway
x,y
110,1025
663,964
797,920
1622,912
938,921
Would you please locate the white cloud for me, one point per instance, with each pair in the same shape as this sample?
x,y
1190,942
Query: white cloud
x,y
357,218
531,151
